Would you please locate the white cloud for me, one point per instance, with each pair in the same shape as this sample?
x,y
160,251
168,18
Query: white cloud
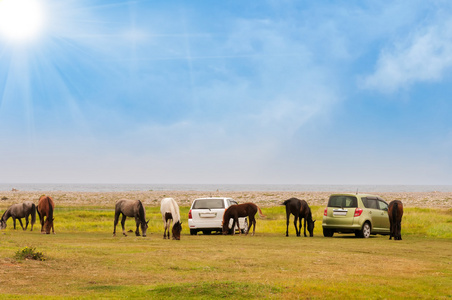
x,y
424,56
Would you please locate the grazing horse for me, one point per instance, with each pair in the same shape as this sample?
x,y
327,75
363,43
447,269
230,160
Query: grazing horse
x,y
301,210
239,211
395,213
45,211
19,211
170,211
131,208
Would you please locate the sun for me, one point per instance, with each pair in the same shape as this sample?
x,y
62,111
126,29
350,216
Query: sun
x,y
21,20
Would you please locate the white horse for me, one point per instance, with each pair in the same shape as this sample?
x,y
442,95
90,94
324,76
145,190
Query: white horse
x,y
170,211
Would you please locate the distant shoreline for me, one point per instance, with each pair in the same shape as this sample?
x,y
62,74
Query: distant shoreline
x,y
333,188
184,198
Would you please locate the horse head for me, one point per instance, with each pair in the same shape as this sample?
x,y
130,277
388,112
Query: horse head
x,y
177,228
2,224
311,225
48,225
144,228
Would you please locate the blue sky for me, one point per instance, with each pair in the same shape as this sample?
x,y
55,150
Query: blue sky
x,y
307,92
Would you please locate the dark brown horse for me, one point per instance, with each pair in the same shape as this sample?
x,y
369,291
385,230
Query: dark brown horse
x,y
239,211
45,212
395,213
301,210
19,211
131,208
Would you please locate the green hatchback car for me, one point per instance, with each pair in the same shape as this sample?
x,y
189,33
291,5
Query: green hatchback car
x,y
361,214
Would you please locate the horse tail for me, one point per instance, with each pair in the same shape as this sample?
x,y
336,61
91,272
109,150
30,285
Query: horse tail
x,y
395,209
33,214
260,212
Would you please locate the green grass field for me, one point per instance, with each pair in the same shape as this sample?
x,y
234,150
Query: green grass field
x,y
84,260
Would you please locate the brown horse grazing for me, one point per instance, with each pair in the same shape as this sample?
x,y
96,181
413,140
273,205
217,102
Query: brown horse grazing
x,y
395,213
45,212
19,211
239,211
131,208
301,210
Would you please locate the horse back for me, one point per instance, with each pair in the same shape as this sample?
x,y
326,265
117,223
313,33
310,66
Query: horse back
x,y
395,210
130,208
293,206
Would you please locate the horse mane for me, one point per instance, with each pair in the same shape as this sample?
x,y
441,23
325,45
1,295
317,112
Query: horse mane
x,y
50,216
141,211
4,214
175,211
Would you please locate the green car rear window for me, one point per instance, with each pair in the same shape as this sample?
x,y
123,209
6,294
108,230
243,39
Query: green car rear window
x,y
343,201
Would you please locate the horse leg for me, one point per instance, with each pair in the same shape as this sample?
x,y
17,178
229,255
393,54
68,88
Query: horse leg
x,y
167,229
304,222
42,224
295,224
399,229
40,219
287,223
254,225
138,222
164,232
115,223
238,226
123,221
21,225
26,222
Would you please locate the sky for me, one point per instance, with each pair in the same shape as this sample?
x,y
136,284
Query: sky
x,y
252,92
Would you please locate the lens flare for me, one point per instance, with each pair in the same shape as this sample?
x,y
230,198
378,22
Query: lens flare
x,y
21,20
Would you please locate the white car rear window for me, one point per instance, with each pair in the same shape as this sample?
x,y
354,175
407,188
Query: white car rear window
x,y
208,204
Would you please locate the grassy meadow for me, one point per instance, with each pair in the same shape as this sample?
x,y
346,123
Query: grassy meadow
x,y
84,260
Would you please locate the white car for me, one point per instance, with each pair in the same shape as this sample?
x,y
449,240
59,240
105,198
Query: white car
x,y
206,215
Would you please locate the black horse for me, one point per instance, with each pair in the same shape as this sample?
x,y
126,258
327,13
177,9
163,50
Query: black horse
x,y
395,213
19,211
300,209
131,208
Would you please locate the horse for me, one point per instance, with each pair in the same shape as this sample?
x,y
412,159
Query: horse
x,y
395,213
239,211
19,211
45,211
131,208
170,211
301,210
